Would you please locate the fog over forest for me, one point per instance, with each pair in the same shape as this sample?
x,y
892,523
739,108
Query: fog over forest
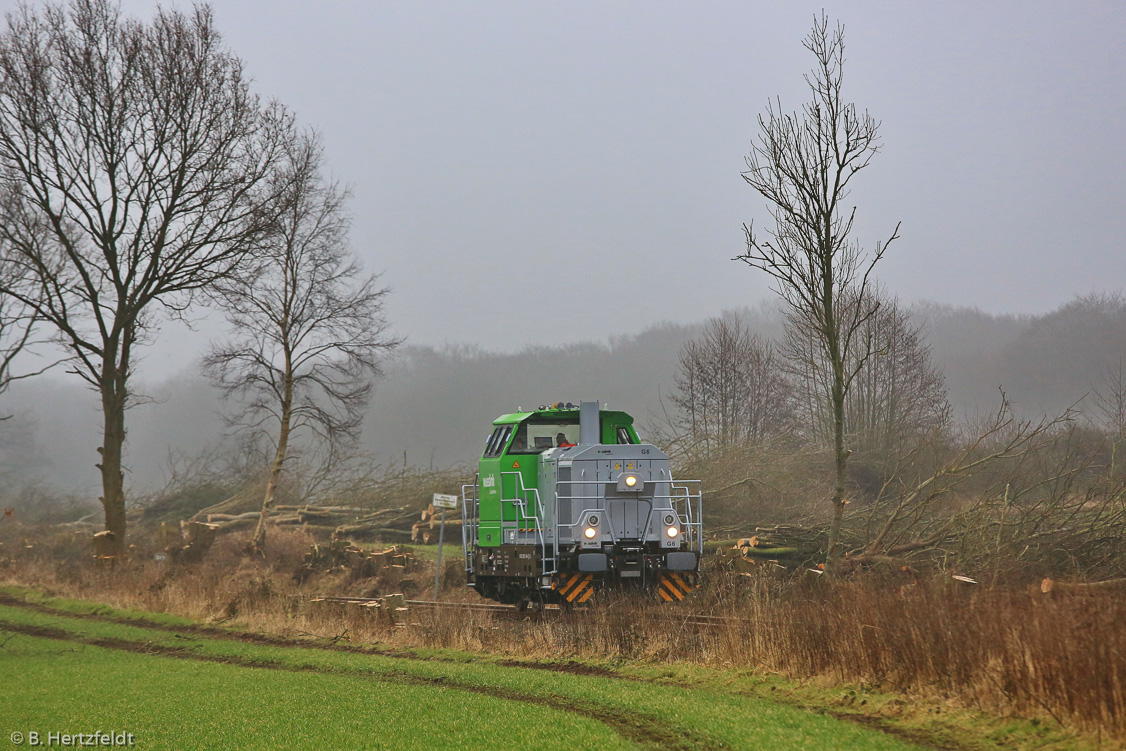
x,y
434,406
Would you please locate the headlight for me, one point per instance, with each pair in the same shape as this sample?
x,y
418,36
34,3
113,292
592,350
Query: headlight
x,y
589,533
672,531
630,482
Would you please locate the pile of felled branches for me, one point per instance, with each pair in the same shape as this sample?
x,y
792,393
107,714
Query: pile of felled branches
x,y
341,521
787,545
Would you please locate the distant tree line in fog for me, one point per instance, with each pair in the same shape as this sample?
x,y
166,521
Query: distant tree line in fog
x,y
436,404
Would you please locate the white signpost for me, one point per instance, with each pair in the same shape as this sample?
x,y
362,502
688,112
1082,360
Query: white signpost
x,y
445,501
442,501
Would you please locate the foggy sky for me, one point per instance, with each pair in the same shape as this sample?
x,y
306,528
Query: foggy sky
x,y
539,173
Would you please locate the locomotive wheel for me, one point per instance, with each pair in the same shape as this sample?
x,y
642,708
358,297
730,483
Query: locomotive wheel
x,y
533,599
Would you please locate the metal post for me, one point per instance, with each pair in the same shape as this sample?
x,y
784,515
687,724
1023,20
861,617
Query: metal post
x,y
441,539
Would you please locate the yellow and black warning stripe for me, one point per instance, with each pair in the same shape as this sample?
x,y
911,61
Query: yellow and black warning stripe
x,y
576,588
674,586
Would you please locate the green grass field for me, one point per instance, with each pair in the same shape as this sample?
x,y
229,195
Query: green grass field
x,y
74,667
174,688
451,550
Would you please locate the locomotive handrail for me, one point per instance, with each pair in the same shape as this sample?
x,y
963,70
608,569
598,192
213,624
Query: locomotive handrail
x,y
470,520
680,498
521,504
609,527
471,510
696,534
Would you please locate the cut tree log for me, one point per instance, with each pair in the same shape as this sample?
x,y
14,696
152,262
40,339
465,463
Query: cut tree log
x,y
235,524
212,518
769,552
370,530
1110,585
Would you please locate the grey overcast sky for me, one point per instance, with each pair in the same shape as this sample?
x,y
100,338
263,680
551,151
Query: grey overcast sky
x,y
541,173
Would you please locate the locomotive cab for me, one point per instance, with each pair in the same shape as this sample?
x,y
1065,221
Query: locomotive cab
x,y
567,501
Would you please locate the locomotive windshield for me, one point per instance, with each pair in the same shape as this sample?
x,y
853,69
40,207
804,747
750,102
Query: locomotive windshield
x,y
537,437
497,440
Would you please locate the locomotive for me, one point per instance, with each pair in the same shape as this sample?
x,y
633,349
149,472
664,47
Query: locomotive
x,y
567,501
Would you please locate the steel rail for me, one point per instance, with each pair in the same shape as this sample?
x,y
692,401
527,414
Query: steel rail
x,y
689,619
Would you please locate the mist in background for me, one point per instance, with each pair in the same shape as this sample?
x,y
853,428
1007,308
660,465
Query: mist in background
x,y
541,174
435,407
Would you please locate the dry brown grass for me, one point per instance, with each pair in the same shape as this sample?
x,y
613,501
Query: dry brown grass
x,y
1001,650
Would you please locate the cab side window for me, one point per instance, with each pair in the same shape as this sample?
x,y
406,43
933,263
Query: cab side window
x,y
497,441
492,440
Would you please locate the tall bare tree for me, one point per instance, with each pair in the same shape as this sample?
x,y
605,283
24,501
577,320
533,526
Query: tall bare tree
x,y
730,389
309,331
133,165
803,164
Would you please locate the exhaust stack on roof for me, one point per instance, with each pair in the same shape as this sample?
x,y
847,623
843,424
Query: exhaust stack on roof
x,y
590,427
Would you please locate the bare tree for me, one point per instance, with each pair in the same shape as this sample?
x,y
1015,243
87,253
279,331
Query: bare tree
x,y
309,331
133,159
14,333
730,389
1110,402
1110,399
898,394
803,164
17,324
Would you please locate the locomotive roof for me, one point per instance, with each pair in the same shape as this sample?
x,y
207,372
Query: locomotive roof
x,y
622,418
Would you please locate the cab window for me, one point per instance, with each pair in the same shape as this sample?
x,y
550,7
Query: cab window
x,y
537,437
497,440
624,436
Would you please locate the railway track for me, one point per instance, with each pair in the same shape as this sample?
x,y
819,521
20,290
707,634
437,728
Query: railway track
x,y
511,611
426,604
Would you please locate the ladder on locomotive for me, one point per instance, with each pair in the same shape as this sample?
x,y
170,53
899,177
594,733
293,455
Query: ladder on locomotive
x,y
527,505
534,533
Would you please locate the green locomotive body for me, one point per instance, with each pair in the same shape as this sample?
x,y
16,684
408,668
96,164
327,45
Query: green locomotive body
x,y
567,501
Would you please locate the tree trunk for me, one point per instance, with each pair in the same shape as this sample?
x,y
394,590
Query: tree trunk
x,y
258,542
113,439
840,455
833,555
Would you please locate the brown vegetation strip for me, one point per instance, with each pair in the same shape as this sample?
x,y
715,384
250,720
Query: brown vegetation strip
x,y
572,667
647,731
267,640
